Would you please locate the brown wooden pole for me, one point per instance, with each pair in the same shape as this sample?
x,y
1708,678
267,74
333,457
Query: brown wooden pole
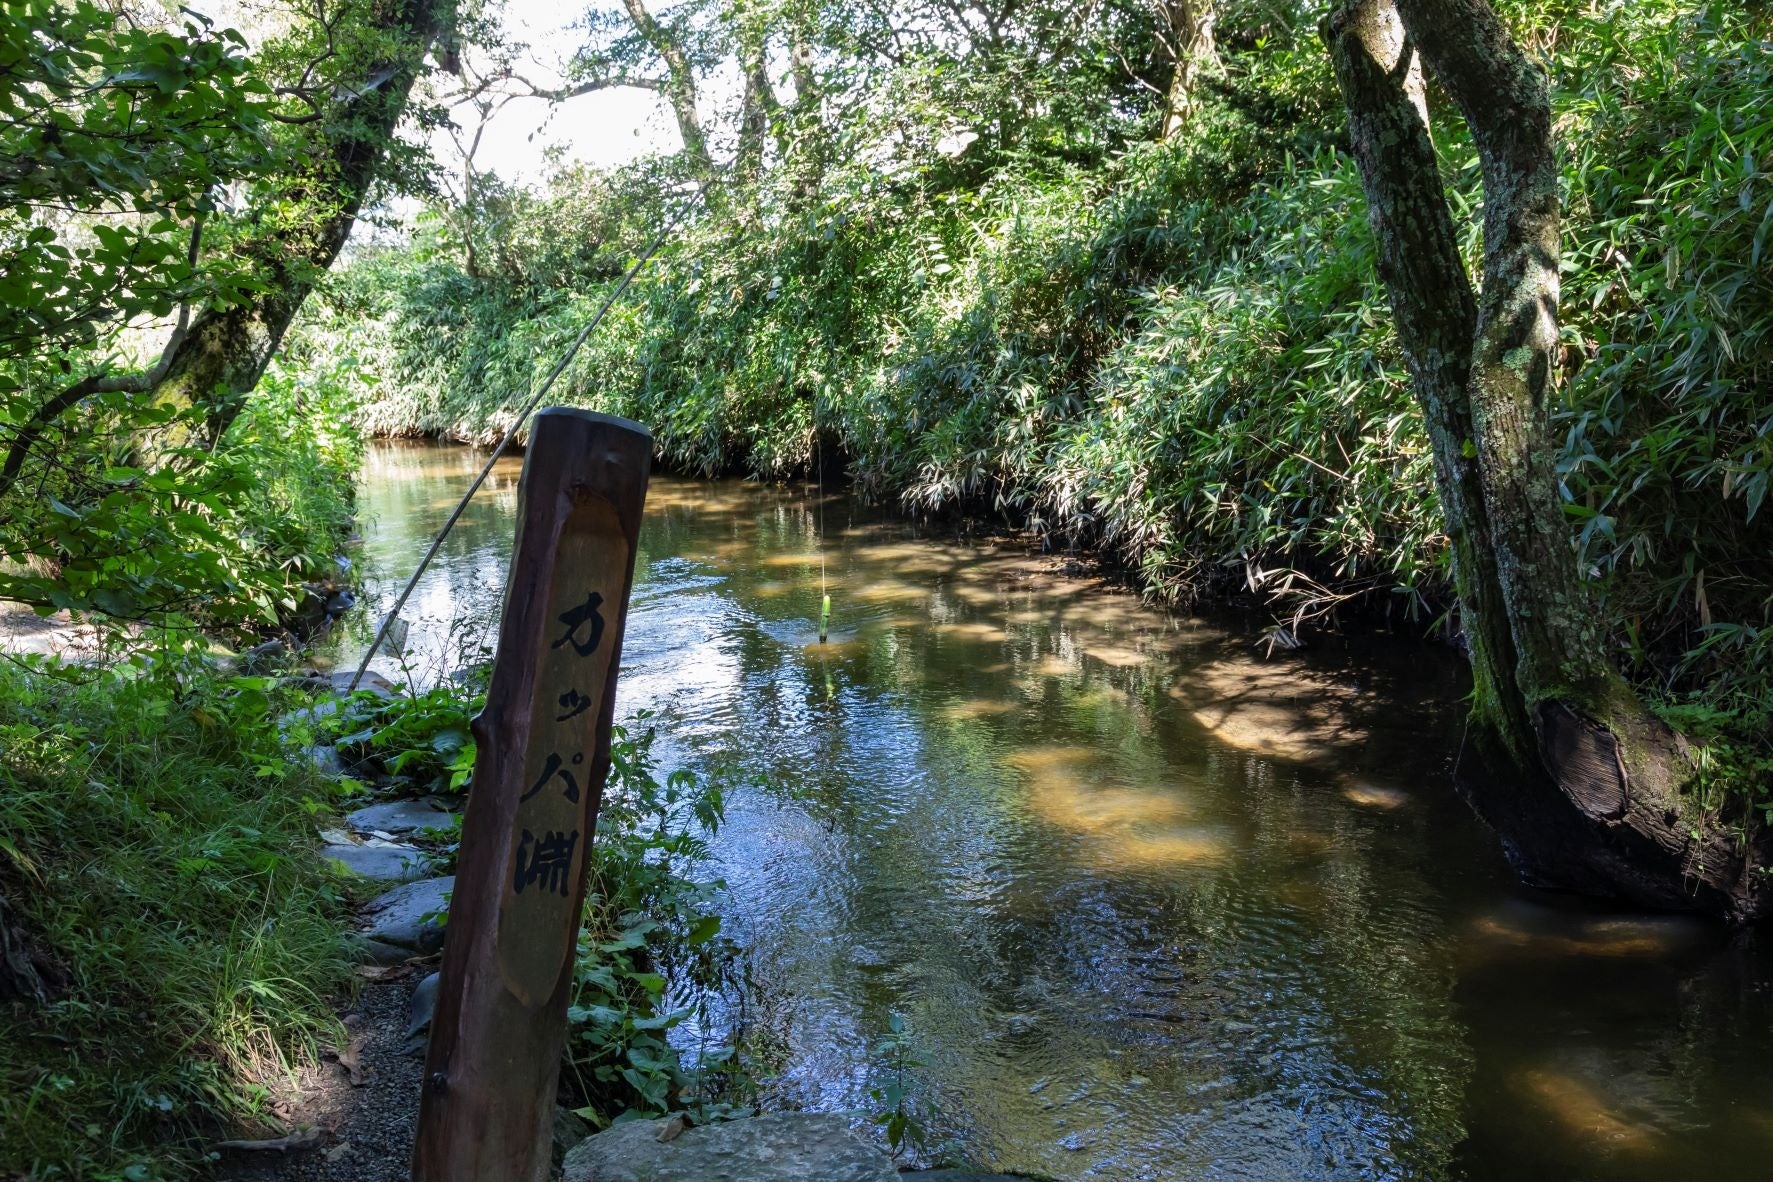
x,y
487,1110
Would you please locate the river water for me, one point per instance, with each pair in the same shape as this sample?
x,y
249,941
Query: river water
x,y
1151,905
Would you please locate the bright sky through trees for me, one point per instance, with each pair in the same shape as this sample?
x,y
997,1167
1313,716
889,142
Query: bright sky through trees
x,y
607,128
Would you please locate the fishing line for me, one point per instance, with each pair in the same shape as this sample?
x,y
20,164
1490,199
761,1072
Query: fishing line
x,y
511,433
819,469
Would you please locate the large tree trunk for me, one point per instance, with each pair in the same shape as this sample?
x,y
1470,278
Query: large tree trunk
x,y
1584,784
222,357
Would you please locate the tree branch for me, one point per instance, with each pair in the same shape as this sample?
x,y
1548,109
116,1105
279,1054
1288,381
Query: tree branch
x,y
99,383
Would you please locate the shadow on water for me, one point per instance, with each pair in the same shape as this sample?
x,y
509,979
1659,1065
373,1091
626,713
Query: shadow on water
x,y
1154,905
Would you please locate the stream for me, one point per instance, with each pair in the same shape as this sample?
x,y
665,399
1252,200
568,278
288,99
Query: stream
x,y
1152,903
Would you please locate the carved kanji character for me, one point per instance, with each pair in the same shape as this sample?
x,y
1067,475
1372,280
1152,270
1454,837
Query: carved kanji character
x,y
577,618
547,861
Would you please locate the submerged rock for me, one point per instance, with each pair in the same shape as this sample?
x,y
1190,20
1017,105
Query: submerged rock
x,y
1585,1112
1374,796
1527,929
774,1147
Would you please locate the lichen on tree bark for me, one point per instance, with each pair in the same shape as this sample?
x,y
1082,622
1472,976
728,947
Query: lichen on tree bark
x,y
1580,779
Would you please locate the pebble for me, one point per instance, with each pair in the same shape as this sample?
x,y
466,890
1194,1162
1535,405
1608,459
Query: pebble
x,y
366,1133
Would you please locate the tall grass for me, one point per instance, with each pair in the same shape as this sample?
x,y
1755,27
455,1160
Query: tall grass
x,y
157,847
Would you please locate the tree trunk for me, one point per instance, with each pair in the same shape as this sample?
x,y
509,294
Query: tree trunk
x,y
1436,315
226,351
759,109
1194,51
680,85
1584,784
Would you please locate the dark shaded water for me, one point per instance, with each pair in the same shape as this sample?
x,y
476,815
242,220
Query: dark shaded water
x,y
1153,907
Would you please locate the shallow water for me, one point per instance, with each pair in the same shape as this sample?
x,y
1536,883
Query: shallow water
x,y
1152,906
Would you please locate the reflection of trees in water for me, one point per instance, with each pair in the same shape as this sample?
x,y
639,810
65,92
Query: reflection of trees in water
x,y
1071,837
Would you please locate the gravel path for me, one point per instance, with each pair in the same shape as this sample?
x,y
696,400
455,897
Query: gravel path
x,y
365,1131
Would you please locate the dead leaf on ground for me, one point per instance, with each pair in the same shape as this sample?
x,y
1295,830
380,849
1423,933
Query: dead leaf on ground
x,y
351,1060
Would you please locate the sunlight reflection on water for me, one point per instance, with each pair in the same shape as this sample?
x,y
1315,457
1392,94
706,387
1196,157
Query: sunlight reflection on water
x,y
1154,906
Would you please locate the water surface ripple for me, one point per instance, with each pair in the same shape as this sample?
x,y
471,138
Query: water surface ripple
x,y
1153,906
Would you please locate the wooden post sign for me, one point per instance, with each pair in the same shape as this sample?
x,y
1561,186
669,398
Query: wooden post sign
x,y
487,1110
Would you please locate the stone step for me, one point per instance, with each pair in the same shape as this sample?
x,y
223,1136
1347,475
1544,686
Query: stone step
x,y
398,918
774,1147
402,816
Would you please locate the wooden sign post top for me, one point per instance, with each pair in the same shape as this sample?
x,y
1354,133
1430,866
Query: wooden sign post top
x,y
487,1110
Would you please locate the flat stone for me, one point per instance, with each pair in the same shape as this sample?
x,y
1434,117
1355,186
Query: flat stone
x,y
397,918
260,656
383,862
774,1147
402,816
325,759
961,1176
308,717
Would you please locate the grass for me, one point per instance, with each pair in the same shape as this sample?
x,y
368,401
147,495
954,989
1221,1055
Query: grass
x,y
157,857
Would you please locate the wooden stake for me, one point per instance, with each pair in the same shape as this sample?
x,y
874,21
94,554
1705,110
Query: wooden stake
x,y
487,1110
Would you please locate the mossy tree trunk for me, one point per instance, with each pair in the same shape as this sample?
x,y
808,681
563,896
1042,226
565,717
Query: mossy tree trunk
x,y
759,108
225,352
1585,786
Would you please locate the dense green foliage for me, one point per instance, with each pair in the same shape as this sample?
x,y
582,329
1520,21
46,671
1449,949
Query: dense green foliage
x,y
1177,351
167,194
228,542
170,941
157,862
132,129
651,955
951,256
